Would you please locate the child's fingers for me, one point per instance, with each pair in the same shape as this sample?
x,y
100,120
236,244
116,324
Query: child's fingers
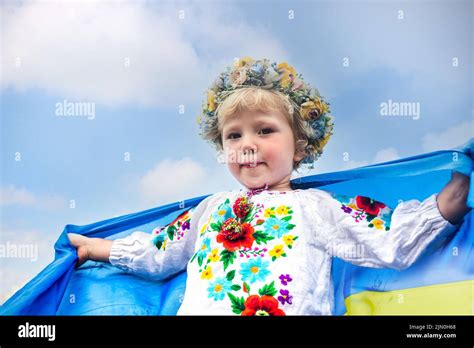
x,y
76,239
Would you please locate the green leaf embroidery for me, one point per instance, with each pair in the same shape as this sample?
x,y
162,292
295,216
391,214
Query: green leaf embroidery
x,y
261,237
268,289
200,259
250,215
370,217
235,287
246,288
290,226
286,218
216,227
237,303
227,258
170,231
230,275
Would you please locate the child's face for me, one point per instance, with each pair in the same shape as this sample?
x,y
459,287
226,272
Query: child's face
x,y
264,139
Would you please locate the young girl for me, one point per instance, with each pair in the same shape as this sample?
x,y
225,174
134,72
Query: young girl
x,y
267,250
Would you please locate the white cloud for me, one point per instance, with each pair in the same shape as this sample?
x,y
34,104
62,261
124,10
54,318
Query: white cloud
x,y
172,180
79,50
17,271
450,138
11,195
386,155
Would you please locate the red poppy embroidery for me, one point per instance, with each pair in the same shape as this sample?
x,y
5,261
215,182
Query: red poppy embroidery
x,y
234,235
369,205
242,207
262,306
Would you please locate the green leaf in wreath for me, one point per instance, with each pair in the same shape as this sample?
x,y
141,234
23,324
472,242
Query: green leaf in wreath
x,y
235,287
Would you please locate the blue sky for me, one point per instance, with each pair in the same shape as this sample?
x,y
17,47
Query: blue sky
x,y
137,62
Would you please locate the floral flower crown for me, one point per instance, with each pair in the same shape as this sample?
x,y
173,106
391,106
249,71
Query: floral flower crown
x,y
307,101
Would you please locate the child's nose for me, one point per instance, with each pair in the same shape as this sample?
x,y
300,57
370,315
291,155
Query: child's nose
x,y
248,145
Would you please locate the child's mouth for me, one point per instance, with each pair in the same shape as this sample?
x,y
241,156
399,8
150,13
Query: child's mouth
x,y
251,165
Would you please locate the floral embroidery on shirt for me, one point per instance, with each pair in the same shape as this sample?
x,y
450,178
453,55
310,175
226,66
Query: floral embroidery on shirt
x,y
176,229
244,230
263,304
360,208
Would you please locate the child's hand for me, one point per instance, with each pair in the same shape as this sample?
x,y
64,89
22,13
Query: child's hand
x,y
81,244
95,249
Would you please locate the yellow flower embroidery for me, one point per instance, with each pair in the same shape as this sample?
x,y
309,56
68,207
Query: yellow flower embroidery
x,y
204,227
277,251
268,212
282,210
378,224
207,273
288,239
214,255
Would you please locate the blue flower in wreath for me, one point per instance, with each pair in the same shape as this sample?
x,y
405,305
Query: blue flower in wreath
x,y
255,270
276,227
218,288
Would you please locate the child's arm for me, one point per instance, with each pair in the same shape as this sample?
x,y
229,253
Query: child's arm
x,y
156,255
95,249
368,233
452,199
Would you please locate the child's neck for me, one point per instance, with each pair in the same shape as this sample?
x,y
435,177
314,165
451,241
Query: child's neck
x,y
282,187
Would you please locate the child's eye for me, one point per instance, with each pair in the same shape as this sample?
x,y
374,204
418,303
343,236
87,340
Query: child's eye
x,y
266,130
233,136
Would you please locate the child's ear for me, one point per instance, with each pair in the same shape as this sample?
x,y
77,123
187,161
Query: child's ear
x,y
300,150
298,157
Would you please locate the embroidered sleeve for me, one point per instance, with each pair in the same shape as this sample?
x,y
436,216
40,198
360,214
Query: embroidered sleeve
x,y
369,233
162,253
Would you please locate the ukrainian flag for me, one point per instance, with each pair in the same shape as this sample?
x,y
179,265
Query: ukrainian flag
x,y
440,282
